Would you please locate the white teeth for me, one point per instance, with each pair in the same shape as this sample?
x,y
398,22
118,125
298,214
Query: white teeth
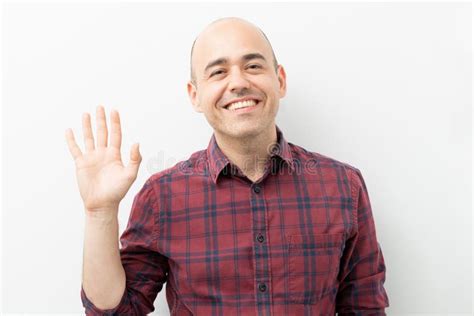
x,y
242,104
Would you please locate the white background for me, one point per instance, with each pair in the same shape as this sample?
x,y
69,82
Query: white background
x,y
384,87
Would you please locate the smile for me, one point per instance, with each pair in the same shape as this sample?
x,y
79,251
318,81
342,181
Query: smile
x,y
241,105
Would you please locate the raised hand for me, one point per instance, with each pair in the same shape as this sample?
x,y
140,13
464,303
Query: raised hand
x,y
102,178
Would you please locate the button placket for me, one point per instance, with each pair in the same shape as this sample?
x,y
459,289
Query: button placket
x,y
261,250
256,189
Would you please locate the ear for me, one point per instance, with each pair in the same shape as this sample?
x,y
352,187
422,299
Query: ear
x,y
282,80
192,92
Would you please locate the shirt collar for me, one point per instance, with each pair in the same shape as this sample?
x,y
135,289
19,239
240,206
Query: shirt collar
x,y
218,161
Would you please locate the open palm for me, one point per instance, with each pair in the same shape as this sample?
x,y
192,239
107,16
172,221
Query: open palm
x,y
102,178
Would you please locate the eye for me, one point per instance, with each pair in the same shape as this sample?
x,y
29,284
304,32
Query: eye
x,y
255,66
217,72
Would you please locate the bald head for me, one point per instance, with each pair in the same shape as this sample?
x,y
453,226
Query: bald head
x,y
219,26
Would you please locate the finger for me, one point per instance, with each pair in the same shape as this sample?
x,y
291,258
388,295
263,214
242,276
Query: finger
x,y
135,159
116,130
71,142
87,131
101,127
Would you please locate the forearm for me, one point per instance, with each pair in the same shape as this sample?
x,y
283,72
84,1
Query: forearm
x,y
103,277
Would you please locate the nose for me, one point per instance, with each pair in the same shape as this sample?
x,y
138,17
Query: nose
x,y
237,81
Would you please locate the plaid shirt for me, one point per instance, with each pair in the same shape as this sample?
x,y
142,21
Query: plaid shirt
x,y
299,241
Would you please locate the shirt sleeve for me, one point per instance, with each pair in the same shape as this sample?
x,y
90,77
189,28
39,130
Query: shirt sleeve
x,y
361,290
145,268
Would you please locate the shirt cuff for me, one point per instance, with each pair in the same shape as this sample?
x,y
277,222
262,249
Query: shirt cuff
x,y
91,309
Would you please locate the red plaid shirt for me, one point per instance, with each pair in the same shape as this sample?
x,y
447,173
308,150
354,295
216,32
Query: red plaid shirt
x,y
299,241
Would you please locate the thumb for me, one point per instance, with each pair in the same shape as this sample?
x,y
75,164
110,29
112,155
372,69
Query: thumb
x,y
135,159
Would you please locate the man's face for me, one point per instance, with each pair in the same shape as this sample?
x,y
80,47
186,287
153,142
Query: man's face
x,y
233,61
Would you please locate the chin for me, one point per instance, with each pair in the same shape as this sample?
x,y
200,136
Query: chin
x,y
244,130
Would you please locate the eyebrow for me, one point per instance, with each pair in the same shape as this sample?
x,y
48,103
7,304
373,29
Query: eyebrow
x,y
222,60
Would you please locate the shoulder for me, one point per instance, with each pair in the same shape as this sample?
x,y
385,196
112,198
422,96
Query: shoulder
x,y
304,156
329,168
195,164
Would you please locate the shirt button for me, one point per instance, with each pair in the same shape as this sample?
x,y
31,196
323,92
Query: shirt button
x,y
260,238
256,189
262,287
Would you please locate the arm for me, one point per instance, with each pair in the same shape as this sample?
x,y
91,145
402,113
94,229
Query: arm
x,y
361,291
103,276
116,281
145,269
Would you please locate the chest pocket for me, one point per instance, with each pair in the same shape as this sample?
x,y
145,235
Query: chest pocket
x,y
313,262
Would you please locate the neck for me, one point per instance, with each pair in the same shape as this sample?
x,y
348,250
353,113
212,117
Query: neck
x,y
250,154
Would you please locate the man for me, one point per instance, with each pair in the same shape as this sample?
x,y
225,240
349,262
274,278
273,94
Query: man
x,y
252,225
